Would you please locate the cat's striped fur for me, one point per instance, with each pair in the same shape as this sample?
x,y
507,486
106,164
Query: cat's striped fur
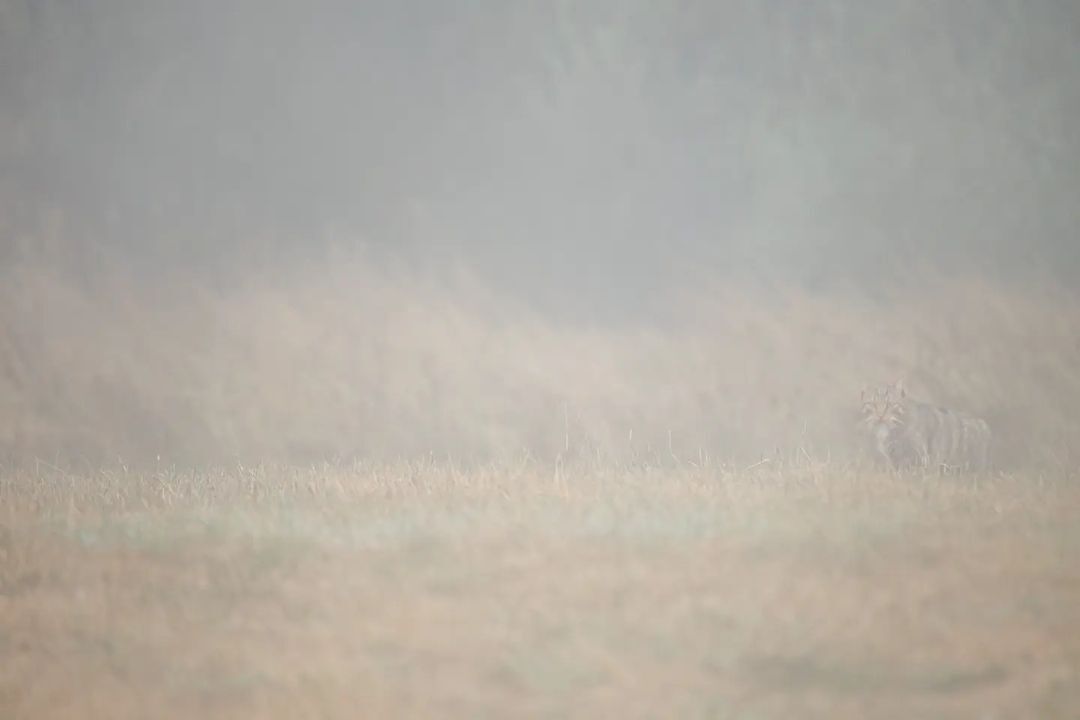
x,y
908,434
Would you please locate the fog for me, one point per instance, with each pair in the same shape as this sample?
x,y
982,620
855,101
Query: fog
x,y
578,358
585,156
291,231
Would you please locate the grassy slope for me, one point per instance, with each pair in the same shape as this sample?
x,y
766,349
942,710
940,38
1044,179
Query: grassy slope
x,y
517,590
352,360
739,576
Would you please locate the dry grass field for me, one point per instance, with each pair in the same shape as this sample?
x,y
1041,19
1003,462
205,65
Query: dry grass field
x,y
479,360
346,360
421,590
348,492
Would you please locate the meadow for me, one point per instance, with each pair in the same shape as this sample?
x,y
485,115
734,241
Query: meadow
x,y
346,491
421,590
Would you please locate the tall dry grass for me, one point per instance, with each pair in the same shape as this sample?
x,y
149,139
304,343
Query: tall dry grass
x,y
697,548
351,359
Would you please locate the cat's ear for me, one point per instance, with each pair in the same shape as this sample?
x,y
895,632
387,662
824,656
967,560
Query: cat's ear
x,y
901,389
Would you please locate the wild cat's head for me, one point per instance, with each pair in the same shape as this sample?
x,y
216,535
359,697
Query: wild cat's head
x,y
883,408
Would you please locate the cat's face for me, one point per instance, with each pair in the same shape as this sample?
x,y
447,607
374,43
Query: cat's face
x,y
883,409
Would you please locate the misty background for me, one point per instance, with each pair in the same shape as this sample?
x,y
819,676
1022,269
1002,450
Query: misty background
x,y
381,358
591,152
283,230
